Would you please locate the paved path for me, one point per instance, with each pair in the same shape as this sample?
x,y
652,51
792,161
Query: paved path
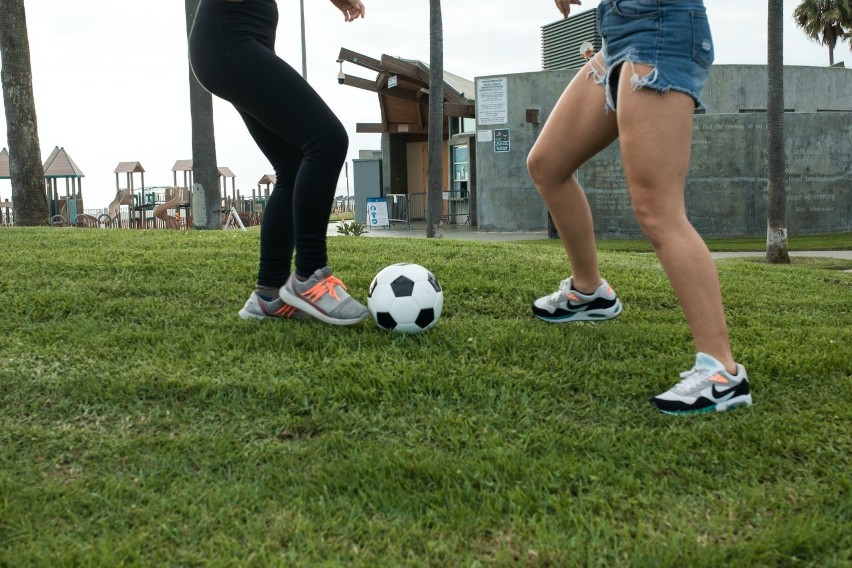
x,y
466,233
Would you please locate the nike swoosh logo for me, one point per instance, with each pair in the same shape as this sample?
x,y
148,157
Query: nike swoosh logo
x,y
717,394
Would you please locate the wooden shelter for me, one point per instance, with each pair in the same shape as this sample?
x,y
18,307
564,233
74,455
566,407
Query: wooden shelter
x,y
126,195
264,184
403,89
128,169
59,165
224,174
185,167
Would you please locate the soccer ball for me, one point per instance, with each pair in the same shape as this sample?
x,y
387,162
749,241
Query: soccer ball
x,y
405,298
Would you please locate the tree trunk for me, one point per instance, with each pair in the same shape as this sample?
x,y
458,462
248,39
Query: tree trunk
x,y
434,195
204,169
776,233
29,200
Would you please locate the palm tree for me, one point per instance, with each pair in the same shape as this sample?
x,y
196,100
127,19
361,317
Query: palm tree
x,y
825,21
204,169
29,201
776,232
435,144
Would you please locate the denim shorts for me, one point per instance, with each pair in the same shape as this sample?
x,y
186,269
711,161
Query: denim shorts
x,y
671,36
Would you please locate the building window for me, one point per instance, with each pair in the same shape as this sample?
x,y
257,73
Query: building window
x,y
461,170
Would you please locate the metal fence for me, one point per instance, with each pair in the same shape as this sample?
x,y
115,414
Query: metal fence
x,y
455,207
398,212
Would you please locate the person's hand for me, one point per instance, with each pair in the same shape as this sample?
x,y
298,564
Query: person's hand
x,y
565,6
352,9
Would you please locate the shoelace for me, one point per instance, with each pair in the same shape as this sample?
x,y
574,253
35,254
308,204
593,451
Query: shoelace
x,y
324,287
693,377
285,311
562,292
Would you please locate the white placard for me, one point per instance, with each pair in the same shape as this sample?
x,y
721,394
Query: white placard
x,y
392,81
377,212
492,103
484,136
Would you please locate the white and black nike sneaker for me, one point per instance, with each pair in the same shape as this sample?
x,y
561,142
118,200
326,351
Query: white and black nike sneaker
x,y
567,304
704,388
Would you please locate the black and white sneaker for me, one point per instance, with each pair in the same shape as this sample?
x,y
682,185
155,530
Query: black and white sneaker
x,y
567,304
704,388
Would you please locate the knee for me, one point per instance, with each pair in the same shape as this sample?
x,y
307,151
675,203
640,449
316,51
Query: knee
x,y
329,142
544,171
658,225
337,139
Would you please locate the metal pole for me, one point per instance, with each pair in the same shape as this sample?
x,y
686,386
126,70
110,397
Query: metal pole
x,y
304,54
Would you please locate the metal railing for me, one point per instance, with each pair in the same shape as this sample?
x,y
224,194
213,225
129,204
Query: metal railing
x,y
455,207
398,210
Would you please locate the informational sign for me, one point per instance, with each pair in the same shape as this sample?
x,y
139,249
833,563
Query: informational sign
x,y
484,136
501,140
492,102
392,81
377,212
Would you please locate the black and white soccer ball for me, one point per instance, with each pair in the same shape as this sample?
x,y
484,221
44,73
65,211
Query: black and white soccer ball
x,y
405,298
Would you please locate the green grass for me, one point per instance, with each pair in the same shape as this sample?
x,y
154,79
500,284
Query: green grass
x,y
143,423
838,241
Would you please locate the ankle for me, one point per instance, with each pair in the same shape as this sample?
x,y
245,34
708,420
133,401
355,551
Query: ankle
x,y
585,287
266,293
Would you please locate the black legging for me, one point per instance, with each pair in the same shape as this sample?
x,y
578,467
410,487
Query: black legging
x,y
232,52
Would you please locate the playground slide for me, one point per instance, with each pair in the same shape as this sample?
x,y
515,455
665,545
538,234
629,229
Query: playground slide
x,y
161,210
122,197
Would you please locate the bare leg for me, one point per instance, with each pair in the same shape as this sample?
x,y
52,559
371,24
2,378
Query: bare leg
x,y
578,128
655,135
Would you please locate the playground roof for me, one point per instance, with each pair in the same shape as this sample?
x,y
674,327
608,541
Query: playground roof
x,y
4,164
129,168
182,166
186,166
268,178
60,165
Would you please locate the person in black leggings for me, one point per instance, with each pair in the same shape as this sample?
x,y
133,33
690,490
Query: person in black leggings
x,y
232,53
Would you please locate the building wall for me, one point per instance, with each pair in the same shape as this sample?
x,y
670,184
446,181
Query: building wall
x,y
726,187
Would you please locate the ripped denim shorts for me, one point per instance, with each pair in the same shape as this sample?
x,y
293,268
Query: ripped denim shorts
x,y
671,36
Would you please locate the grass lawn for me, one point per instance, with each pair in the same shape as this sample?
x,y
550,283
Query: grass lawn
x,y
143,423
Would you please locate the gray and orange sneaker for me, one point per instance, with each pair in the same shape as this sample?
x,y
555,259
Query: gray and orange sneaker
x,y
705,388
259,309
324,297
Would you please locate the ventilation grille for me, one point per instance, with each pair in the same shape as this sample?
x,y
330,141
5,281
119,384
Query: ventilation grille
x,y
561,41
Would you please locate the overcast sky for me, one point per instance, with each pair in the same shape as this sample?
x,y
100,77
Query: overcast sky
x,y
111,77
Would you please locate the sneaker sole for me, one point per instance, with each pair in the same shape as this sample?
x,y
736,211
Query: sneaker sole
x,y
594,315
733,404
310,309
246,315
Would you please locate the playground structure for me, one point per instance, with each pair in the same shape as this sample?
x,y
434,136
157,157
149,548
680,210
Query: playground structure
x,y
64,209
135,205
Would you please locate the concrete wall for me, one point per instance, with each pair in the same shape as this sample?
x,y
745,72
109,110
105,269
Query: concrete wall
x,y
726,188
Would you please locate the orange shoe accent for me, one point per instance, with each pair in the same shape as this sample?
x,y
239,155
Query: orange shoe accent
x,y
573,297
285,311
717,378
323,288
